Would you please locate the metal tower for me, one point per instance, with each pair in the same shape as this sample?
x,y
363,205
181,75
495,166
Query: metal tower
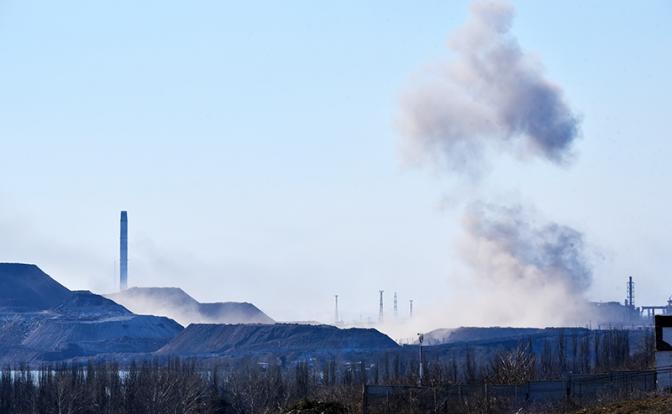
x,y
630,301
410,309
380,308
396,309
123,252
336,309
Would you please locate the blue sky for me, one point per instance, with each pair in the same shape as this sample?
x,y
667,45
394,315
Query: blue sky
x,y
255,149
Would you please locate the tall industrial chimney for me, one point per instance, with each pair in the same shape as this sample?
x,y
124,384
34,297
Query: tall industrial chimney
x,y
336,320
396,309
123,252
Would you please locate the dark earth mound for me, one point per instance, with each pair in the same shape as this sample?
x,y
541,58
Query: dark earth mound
x,y
232,312
207,340
24,287
469,334
82,304
41,320
177,304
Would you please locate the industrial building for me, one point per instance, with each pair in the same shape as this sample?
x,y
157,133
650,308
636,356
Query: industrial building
x,y
627,312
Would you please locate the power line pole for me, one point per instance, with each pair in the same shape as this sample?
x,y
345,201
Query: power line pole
x,y
380,308
421,338
396,309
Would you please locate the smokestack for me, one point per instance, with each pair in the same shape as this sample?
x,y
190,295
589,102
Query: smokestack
x,y
410,309
380,309
396,309
123,252
336,310
631,293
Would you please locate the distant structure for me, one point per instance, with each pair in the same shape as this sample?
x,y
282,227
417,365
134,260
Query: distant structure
x,y
649,312
627,312
410,308
630,300
123,252
336,309
396,309
663,328
380,308
644,313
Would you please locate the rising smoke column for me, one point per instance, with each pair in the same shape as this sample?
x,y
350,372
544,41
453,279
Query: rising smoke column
x,y
490,96
529,272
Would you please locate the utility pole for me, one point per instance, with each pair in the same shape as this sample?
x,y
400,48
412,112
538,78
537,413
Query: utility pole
x,y
380,308
396,309
421,338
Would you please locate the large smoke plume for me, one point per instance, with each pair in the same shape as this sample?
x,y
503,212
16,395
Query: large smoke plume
x,y
490,96
530,272
512,240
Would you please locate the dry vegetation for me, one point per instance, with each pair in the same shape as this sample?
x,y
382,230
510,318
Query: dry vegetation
x,y
652,405
317,385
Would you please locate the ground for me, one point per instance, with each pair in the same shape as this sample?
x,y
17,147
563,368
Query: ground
x,y
651,405
316,407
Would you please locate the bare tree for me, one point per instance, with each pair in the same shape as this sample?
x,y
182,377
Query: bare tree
x,y
515,366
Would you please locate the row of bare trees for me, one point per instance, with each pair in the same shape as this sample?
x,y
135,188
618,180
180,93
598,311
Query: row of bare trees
x,y
151,387
251,386
556,356
173,386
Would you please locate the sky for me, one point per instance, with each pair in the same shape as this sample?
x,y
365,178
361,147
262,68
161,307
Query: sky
x,y
256,149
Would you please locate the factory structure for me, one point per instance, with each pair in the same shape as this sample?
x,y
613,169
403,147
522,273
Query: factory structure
x,y
627,313
647,312
123,279
605,313
600,315
396,317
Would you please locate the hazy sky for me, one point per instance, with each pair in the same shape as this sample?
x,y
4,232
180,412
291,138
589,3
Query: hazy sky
x,y
254,146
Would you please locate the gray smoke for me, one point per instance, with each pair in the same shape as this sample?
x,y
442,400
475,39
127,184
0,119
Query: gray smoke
x,y
491,96
527,267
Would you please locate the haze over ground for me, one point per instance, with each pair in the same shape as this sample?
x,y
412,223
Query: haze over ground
x,y
255,148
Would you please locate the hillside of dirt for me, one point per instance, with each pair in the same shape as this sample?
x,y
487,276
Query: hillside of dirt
x,y
207,340
177,304
661,404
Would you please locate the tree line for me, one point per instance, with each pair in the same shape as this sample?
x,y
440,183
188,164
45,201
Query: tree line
x,y
251,386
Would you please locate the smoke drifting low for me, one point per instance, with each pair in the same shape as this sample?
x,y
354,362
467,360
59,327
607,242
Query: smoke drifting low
x,y
490,96
508,244
523,272
529,272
